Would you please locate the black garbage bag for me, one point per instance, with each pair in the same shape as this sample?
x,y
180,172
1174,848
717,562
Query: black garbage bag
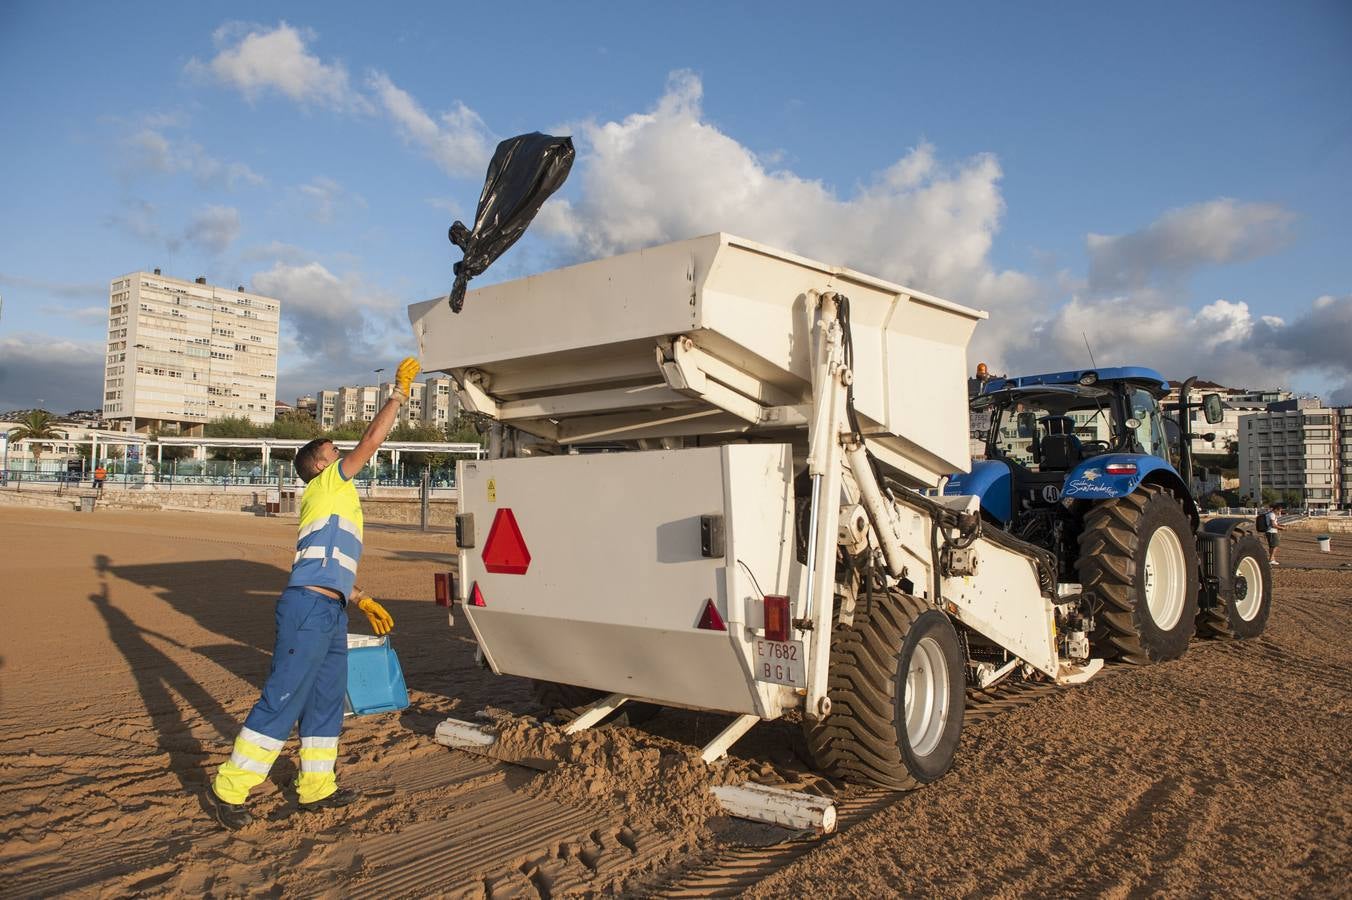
x,y
525,170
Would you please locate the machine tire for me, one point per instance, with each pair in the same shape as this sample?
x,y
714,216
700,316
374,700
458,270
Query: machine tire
x,y
1115,547
865,736
1247,616
566,701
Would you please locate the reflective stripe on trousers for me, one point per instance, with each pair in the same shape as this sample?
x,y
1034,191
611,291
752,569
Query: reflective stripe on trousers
x,y
316,780
250,761
307,685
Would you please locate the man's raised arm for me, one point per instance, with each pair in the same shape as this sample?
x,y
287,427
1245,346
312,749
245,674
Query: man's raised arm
x,y
380,426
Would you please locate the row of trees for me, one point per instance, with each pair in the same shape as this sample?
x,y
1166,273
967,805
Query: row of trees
x,y
1233,499
297,426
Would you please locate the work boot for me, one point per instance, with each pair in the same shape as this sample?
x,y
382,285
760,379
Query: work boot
x,y
232,816
337,800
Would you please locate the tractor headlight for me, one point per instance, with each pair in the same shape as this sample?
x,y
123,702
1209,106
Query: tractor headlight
x,y
1088,378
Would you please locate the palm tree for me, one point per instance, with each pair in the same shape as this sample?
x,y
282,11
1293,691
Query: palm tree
x,y
36,427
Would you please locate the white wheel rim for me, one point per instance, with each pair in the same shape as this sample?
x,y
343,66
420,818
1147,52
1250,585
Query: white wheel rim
x,y
927,700
1165,580
1252,580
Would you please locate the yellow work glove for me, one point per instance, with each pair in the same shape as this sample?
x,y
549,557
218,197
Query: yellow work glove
x,y
404,375
382,623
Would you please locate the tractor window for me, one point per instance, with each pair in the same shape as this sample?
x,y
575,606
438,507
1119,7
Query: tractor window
x,y
1149,430
1174,438
1019,429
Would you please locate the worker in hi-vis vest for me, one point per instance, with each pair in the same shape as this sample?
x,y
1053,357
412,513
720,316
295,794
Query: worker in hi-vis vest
x,y
308,680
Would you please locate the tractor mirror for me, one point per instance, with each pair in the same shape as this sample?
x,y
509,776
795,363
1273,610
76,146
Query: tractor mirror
x,y
1027,425
1210,436
1212,409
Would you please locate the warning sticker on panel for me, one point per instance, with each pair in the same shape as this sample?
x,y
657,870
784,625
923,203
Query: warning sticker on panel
x,y
492,490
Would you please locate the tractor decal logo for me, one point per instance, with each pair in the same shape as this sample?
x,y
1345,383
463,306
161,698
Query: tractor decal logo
x,y
1091,475
1051,493
1080,486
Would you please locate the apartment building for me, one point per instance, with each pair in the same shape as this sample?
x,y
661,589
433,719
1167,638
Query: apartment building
x,y
182,353
431,402
1237,402
357,404
1301,451
326,408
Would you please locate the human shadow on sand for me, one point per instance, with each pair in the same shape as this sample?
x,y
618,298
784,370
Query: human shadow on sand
x,y
235,599
171,696
232,598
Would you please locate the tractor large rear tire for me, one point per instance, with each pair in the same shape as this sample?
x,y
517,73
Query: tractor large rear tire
x,y
566,702
1245,617
1138,556
897,690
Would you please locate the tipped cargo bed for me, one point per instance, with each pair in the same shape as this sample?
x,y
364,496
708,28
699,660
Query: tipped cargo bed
x,y
705,337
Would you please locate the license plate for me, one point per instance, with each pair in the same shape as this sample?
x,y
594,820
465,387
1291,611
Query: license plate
x,y
781,662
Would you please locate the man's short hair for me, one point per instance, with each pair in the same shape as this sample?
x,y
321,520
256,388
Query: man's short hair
x,y
307,459
1279,506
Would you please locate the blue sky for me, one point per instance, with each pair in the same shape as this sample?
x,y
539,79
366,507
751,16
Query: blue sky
x,y
1171,180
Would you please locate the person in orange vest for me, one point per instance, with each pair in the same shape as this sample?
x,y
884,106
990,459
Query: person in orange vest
x,y
100,476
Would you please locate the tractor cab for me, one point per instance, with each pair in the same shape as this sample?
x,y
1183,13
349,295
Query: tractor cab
x,y
1082,434
1086,465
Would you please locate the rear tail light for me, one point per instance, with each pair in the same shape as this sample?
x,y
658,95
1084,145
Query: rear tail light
x,y
710,620
776,618
1120,468
445,588
476,596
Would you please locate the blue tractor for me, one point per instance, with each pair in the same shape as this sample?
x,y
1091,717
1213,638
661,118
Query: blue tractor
x,y
1086,465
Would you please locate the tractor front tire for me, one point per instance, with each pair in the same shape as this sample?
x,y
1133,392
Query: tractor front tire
x,y
1246,616
897,687
1138,556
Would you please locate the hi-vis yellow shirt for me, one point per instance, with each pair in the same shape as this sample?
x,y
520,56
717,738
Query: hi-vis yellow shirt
x,y
330,539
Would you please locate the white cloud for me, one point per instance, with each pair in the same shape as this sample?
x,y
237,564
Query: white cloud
x,y
1183,240
1224,341
667,174
151,151
460,143
140,219
322,198
336,329
930,223
275,251
213,228
256,60
1129,308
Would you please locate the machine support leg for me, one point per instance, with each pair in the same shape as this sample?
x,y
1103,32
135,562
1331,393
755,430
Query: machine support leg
x,y
595,712
719,746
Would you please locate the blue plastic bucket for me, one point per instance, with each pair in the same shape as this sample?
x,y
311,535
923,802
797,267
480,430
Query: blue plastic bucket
x,y
375,683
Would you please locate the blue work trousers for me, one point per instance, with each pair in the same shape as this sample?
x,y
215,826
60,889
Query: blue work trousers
x,y
308,680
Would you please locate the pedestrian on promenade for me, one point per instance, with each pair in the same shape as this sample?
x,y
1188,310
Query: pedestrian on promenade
x,y
1272,527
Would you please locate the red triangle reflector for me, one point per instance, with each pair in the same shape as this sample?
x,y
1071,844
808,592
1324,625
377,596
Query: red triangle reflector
x,y
710,620
476,596
505,551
